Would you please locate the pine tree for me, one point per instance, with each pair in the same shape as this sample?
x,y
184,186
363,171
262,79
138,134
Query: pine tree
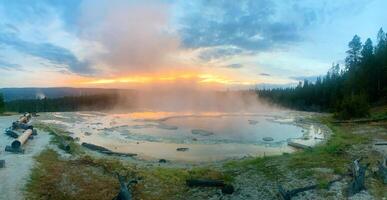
x,y
2,105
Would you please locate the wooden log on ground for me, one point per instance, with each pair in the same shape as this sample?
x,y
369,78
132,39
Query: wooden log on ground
x,y
298,145
205,183
226,188
23,120
289,194
125,193
63,144
380,143
94,147
382,170
105,150
358,173
22,139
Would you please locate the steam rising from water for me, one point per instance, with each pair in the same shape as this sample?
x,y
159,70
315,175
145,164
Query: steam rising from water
x,y
182,100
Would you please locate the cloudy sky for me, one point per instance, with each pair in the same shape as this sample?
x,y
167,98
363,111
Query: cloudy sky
x,y
205,43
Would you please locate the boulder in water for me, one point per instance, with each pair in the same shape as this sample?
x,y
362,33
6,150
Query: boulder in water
x,y
201,132
253,122
182,149
267,139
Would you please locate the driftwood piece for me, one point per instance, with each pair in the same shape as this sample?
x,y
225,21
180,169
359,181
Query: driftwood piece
x,y
358,173
125,192
105,150
226,188
289,194
298,145
63,144
205,183
382,170
380,143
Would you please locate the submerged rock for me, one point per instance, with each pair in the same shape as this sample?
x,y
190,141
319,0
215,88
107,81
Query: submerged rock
x,y
88,133
267,139
182,149
201,132
253,122
167,127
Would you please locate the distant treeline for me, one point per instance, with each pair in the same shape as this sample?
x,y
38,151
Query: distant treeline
x,y
63,104
349,91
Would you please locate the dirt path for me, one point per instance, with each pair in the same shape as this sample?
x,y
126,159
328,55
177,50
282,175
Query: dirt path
x,y
17,166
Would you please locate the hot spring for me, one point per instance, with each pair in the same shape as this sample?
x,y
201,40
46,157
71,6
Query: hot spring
x,y
204,136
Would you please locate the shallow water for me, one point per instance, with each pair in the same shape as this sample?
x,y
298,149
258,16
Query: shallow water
x,y
209,136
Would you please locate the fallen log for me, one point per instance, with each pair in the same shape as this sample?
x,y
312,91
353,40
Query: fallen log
x,y
23,120
205,183
298,145
380,143
289,194
94,147
16,144
382,170
63,144
358,173
124,193
226,188
105,150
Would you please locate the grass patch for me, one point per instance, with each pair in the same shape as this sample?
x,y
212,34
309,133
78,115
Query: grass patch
x,y
333,154
53,178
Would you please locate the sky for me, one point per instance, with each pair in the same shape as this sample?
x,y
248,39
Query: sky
x,y
219,44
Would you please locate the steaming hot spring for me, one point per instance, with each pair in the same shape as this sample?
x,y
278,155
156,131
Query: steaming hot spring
x,y
192,126
191,137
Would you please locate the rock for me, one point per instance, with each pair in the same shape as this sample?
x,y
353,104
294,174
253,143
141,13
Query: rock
x,y
267,139
182,149
166,127
162,161
88,133
253,122
201,132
